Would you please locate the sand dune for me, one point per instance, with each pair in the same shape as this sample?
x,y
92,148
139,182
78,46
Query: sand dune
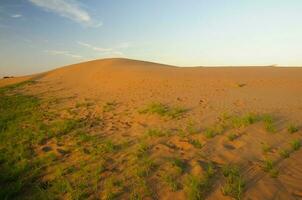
x,y
217,99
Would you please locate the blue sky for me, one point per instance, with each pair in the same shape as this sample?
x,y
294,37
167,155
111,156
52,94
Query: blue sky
x,y
38,35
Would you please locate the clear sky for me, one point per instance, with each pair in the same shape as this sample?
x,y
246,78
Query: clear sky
x,y
38,35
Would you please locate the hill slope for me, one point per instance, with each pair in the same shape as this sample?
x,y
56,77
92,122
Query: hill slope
x,y
126,129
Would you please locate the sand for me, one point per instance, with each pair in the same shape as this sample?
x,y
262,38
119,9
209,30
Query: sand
x,y
207,93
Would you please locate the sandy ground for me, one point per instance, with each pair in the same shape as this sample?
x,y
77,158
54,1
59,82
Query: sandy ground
x,y
14,80
207,93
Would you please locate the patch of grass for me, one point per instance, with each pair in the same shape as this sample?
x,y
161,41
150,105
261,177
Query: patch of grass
x,y
245,120
196,143
111,188
269,123
192,128
284,153
164,110
269,166
156,132
21,127
234,184
192,187
232,136
145,167
108,146
83,136
292,128
109,106
171,178
176,162
197,187
209,133
295,145
266,148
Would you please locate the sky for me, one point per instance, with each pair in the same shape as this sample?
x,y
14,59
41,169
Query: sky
x,y
40,35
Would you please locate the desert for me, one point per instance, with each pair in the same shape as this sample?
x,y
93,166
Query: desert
x,y
129,129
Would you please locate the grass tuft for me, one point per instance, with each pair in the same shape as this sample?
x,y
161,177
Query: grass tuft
x,y
296,145
163,110
234,184
292,128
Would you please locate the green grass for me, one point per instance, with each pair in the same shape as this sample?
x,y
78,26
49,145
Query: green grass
x,y
269,123
191,128
111,188
18,166
25,125
292,128
196,143
171,176
176,162
295,145
284,153
232,136
164,110
197,187
154,132
266,148
244,121
269,166
209,133
234,184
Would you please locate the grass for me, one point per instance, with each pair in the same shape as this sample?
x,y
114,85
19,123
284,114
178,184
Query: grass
x,y
244,121
154,132
111,188
269,123
269,166
266,148
234,184
164,110
109,106
295,145
172,175
197,187
196,143
180,164
18,165
284,153
192,128
211,132
232,136
292,128
25,126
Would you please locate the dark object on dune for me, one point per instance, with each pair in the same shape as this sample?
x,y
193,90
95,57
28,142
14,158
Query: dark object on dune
x,y
5,77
